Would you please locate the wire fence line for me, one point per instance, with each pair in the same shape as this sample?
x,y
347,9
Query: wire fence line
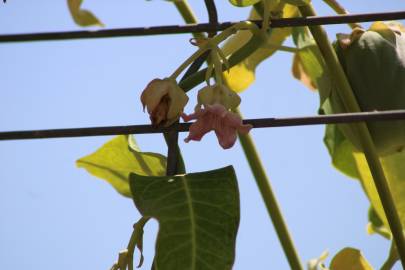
x,y
184,127
199,28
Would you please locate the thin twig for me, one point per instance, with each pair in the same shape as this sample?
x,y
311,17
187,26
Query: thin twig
x,y
183,127
339,9
199,28
212,15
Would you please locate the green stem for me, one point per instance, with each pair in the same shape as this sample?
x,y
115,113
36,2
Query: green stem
x,y
269,199
134,240
188,15
282,48
215,41
392,258
339,9
188,62
258,39
181,167
346,94
217,66
250,47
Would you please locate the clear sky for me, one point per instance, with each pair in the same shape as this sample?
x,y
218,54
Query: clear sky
x,y
55,216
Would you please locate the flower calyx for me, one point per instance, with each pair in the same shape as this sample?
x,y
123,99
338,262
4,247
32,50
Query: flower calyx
x,y
164,101
218,94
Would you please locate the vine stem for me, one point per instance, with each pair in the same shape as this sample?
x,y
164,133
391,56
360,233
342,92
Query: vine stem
x,y
339,9
392,258
346,94
248,145
133,241
213,42
273,209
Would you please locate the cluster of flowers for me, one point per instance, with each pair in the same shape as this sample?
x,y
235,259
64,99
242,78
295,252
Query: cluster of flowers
x,y
165,102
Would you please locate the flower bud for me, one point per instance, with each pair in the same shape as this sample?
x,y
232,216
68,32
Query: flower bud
x,y
218,94
164,101
374,62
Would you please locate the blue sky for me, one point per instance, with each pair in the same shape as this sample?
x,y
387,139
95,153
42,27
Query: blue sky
x,y
55,215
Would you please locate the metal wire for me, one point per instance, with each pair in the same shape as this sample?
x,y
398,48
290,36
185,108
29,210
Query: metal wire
x,y
198,28
183,127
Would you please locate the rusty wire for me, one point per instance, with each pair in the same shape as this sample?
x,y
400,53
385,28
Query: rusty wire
x,y
199,28
183,127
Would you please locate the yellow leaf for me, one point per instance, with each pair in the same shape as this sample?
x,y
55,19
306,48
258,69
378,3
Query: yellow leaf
x,y
350,259
116,159
394,170
82,17
242,75
243,3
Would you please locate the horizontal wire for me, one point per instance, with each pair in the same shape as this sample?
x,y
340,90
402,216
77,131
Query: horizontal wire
x,y
182,127
198,28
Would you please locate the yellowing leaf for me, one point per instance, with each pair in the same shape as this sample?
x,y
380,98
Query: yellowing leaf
x,y
350,259
298,71
242,75
82,17
394,170
353,163
308,64
119,157
243,3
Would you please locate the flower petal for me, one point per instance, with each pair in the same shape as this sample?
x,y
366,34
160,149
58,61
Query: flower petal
x,y
216,117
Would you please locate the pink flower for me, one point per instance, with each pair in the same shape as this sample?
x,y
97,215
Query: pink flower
x,y
215,117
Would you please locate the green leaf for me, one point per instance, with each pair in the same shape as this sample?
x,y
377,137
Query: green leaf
x,y
341,151
242,75
116,159
82,17
376,225
198,217
353,163
350,259
243,3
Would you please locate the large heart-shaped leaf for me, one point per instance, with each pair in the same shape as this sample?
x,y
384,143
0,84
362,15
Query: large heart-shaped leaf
x,y
198,217
117,158
82,17
242,75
